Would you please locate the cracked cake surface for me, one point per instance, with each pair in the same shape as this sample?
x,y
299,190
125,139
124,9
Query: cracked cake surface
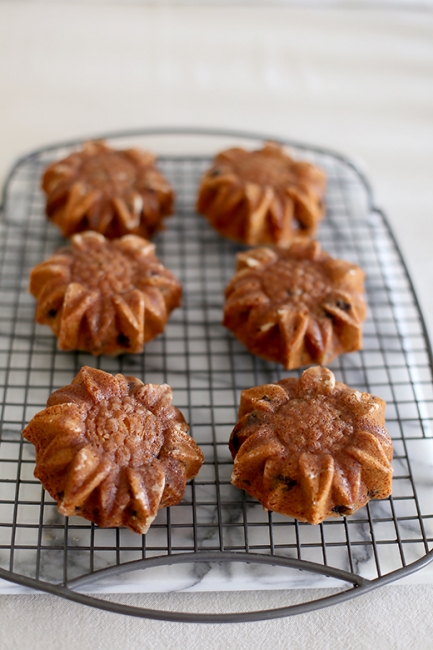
x,y
262,197
104,296
110,191
295,306
113,450
311,448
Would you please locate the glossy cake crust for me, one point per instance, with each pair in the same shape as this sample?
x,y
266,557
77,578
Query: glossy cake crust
x,y
311,448
110,191
262,197
104,296
295,306
113,450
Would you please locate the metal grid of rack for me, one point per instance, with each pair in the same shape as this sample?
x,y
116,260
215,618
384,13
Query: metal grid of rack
x,y
207,369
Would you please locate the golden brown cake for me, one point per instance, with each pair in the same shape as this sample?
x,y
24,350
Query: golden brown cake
x,y
311,448
262,197
102,296
295,306
113,450
110,191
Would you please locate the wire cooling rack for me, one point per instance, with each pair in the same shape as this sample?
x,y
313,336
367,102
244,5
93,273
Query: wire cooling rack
x,y
208,369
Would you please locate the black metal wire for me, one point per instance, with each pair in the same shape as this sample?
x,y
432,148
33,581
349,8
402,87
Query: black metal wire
x,y
207,369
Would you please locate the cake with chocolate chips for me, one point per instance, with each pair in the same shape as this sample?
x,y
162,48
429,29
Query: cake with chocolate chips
x,y
263,196
311,448
104,296
295,306
113,192
113,450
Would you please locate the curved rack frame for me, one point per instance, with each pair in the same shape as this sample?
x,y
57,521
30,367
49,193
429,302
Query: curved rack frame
x,y
360,585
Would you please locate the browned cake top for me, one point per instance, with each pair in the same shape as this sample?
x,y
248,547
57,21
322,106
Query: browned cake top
x,y
113,449
268,166
111,191
120,416
295,305
107,269
126,431
104,296
109,171
296,282
311,425
314,414
112,266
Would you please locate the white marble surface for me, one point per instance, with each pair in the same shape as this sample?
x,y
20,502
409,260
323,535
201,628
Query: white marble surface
x,y
358,81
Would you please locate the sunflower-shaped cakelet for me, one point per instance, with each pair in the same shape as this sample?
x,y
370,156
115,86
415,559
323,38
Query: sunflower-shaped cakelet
x,y
104,296
262,197
110,191
311,448
295,306
113,450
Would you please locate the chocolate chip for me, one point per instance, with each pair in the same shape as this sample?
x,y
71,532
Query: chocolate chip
x,y
52,313
340,510
215,172
265,398
235,443
123,341
341,304
288,482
